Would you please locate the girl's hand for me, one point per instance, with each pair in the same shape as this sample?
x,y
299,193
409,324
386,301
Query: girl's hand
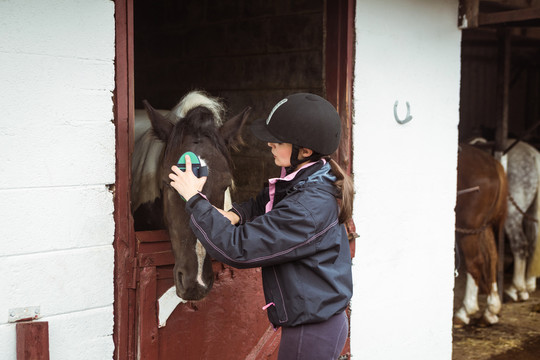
x,y
185,182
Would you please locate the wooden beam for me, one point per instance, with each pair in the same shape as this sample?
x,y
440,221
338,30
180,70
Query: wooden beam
x,y
159,258
124,239
501,134
512,16
152,236
468,11
148,334
503,88
33,340
339,60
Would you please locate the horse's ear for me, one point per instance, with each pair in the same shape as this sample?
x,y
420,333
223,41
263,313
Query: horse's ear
x,y
231,130
161,125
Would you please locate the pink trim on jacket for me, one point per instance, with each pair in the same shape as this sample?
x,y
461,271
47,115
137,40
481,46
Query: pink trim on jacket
x,y
272,183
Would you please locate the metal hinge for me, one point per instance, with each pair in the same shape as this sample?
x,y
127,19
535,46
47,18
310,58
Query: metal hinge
x,y
23,314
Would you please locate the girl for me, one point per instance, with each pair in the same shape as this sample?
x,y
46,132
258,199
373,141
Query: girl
x,y
293,229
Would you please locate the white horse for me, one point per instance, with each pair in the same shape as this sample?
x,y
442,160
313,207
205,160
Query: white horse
x,y
521,227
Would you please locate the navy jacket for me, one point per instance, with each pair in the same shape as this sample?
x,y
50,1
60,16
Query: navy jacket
x,y
302,249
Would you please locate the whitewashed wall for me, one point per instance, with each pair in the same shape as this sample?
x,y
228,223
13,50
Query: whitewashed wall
x,y
405,175
57,151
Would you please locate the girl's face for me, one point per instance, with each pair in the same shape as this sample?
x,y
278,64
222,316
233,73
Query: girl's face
x,y
282,153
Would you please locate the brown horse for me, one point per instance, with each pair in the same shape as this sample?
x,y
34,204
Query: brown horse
x,y
480,215
193,125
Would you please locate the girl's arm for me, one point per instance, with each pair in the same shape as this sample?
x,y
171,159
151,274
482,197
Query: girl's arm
x,y
286,233
231,215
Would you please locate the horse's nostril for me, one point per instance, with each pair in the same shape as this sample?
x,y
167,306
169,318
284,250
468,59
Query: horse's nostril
x,y
179,278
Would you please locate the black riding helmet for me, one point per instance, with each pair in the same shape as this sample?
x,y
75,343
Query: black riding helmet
x,y
302,119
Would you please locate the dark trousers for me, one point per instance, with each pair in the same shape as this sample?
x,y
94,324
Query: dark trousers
x,y
320,341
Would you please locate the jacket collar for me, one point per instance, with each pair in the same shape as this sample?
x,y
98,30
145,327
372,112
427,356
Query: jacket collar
x,y
298,176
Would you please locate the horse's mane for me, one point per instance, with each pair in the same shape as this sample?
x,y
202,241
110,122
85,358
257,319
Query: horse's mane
x,y
199,98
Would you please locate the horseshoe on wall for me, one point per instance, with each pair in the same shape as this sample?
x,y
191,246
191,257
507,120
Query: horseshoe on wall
x,y
407,118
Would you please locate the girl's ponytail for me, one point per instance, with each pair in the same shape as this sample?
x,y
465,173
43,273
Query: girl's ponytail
x,y
345,186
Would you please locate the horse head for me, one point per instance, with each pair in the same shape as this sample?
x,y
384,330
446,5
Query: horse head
x,y
197,127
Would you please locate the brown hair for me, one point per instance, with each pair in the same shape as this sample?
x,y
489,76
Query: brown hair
x,y
345,186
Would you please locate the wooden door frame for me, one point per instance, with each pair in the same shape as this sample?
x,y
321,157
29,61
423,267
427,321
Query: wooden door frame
x,y
339,61
124,237
339,49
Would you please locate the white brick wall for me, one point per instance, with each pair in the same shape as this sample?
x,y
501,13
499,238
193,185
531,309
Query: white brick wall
x,y
57,152
405,177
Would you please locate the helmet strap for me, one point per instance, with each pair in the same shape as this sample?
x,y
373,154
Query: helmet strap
x,y
295,161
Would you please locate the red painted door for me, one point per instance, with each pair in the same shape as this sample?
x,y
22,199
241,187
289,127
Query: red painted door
x,y
229,323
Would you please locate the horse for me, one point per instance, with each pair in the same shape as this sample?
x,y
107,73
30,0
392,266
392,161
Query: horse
x,y
195,124
521,228
480,216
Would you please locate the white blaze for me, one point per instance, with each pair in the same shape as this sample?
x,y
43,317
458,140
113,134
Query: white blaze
x,y
201,254
199,249
227,202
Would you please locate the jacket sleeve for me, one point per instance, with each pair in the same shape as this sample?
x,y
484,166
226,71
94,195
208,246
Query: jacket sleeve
x,y
286,233
252,208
